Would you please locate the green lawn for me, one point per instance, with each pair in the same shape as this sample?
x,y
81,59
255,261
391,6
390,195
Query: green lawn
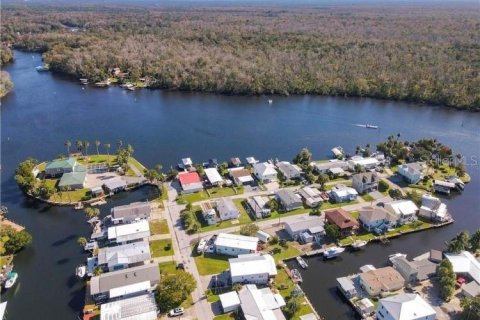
x,y
355,214
289,252
95,159
161,248
227,316
210,194
167,267
282,280
5,260
159,227
211,263
71,196
244,218
367,197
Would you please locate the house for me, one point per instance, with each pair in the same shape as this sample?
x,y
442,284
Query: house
x,y
259,206
208,212
125,282
305,229
381,280
131,212
265,172
241,176
405,306
376,219
227,210
364,163
432,208
414,271
337,152
465,264
114,184
73,180
288,200
234,245
471,290
213,176
235,162
311,196
404,210
141,307
58,167
186,164
412,172
325,167
289,171
365,306
252,268
123,256
263,236
251,160
129,232
443,186
190,182
343,220
346,286
365,182
342,193
254,303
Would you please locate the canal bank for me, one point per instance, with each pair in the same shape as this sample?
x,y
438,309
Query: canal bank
x,y
44,110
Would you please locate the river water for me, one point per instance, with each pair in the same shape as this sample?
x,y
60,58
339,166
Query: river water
x,y
44,110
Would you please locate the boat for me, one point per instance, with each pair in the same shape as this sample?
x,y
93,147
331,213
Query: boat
x,y
371,126
3,308
42,68
358,244
270,101
396,255
81,271
84,81
302,262
79,206
333,252
11,279
296,276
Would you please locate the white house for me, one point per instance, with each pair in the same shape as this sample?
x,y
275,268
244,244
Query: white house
x,y
405,306
412,172
366,163
259,206
129,232
141,307
290,171
265,172
464,263
405,210
208,212
252,268
376,219
227,209
234,245
229,301
305,229
213,176
263,236
432,208
123,256
343,194
325,167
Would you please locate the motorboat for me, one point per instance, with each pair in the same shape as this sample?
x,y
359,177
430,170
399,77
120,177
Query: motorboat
x,y
79,206
333,252
296,276
270,101
371,126
358,244
396,255
81,271
42,68
302,262
11,279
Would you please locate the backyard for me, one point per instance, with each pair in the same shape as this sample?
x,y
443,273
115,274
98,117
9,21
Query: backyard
x,y
161,248
209,194
158,227
208,264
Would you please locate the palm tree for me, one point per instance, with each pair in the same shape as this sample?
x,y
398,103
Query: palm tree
x,y
79,145
86,144
108,146
68,144
97,144
120,144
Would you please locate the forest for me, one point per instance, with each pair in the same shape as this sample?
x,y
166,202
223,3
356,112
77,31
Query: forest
x,y
411,53
6,84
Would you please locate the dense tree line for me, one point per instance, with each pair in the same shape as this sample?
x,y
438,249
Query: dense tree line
x,y
6,56
424,54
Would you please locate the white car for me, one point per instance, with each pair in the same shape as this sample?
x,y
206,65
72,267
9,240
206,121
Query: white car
x,y
176,312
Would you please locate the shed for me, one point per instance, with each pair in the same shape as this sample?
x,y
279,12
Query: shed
x,y
229,301
263,236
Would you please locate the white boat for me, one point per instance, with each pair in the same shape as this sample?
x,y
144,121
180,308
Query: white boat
x,y
42,68
11,279
358,244
296,276
3,308
270,101
333,252
396,255
371,126
302,262
79,206
81,271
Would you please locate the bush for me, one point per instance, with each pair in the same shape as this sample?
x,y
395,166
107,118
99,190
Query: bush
x,y
249,229
383,186
274,240
283,243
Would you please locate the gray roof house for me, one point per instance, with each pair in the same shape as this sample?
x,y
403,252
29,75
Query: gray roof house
x,y
305,229
413,271
289,200
290,171
227,209
325,167
124,256
73,180
365,182
60,166
131,212
123,283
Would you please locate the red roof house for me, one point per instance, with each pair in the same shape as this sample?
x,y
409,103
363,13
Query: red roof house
x,y
343,220
190,182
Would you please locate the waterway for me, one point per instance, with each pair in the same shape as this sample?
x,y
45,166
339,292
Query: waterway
x,y
44,110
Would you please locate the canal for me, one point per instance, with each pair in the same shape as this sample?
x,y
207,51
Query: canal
x,y
44,110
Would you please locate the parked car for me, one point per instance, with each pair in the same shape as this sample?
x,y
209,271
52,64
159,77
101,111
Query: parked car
x,y
181,266
176,312
201,246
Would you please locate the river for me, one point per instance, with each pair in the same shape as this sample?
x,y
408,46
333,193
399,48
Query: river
x,y
44,110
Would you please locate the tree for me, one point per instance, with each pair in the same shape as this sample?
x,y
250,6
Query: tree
x,y
415,197
461,242
471,308
273,205
447,279
475,241
97,144
303,158
119,144
249,229
68,144
86,144
273,240
14,241
108,146
173,289
322,179
82,241
91,212
332,231
292,306
395,193
383,186
24,175
97,271
152,175
79,145
45,190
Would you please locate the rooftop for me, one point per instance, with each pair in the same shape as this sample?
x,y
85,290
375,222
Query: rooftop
x,y
265,168
260,304
247,264
384,279
287,197
341,218
407,306
72,178
236,241
136,209
114,183
137,230
213,175
403,207
370,214
305,223
61,164
465,262
141,307
188,177
124,254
